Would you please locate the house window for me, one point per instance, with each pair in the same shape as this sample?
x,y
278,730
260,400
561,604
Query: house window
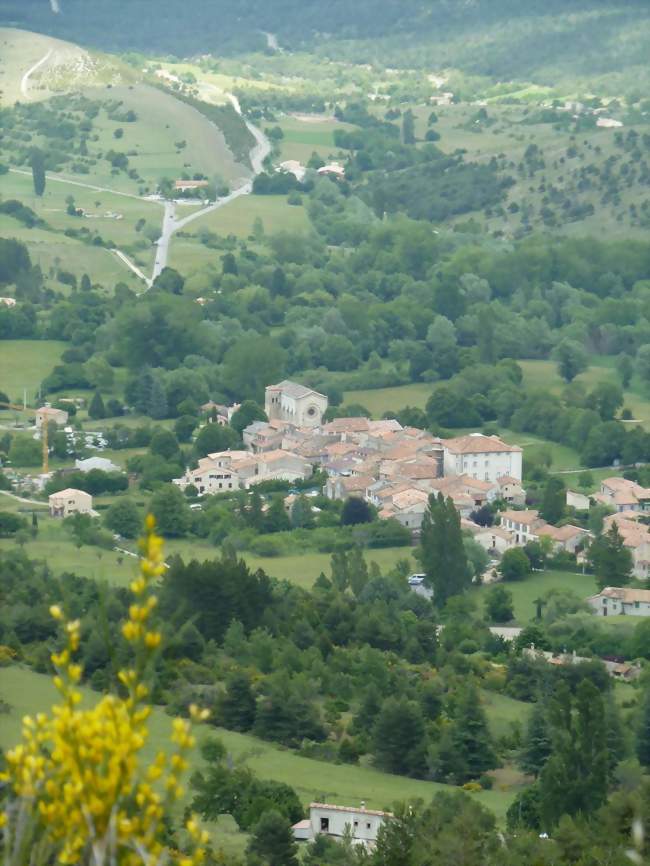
x,y
324,825
604,601
356,823
367,825
637,605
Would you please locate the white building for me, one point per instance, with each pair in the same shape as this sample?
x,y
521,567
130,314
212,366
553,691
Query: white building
x,y
70,501
487,458
294,403
613,601
524,526
361,824
620,494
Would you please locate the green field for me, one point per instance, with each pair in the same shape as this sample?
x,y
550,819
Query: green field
x,y
535,586
27,693
380,400
25,363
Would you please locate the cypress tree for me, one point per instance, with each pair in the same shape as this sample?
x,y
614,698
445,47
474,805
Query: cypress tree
x,y
157,403
358,570
443,554
37,163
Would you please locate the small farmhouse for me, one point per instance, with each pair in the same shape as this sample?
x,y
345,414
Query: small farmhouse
x,y
70,501
361,824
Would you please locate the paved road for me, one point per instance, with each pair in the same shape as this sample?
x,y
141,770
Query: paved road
x,y
133,267
24,84
22,499
171,225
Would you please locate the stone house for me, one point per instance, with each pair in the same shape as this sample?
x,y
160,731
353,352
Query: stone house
x,y
484,457
294,403
360,824
614,601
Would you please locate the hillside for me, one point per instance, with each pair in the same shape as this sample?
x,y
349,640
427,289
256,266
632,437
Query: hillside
x,y
503,39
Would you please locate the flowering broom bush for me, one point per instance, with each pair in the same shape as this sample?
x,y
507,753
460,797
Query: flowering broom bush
x,y
76,788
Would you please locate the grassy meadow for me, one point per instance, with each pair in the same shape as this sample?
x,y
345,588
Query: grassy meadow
x,y
25,363
535,586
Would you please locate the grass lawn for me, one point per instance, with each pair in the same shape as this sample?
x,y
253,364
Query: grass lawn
x,y
29,692
25,363
302,138
537,585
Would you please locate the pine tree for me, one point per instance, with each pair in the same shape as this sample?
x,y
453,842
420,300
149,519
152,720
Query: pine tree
x,y
443,554
237,707
553,502
399,737
272,840
96,410
254,513
643,732
537,741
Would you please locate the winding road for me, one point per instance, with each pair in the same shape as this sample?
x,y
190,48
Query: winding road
x,y
171,225
24,84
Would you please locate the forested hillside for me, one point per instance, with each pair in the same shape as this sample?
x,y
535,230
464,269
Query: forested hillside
x,y
497,38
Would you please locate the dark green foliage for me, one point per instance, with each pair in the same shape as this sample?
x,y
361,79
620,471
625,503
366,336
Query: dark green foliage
x,y
123,517
10,524
553,502
443,555
37,164
172,513
571,358
399,738
272,840
164,444
248,412
214,437
465,750
96,409
514,564
643,731
498,605
237,706
355,511
214,594
169,280
536,747
574,778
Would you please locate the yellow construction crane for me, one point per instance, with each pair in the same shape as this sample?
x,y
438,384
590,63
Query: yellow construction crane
x,y
44,432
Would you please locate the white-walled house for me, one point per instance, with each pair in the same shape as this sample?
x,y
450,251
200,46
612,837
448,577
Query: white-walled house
x,y
70,501
494,539
614,600
294,403
523,525
576,500
361,824
487,458
621,495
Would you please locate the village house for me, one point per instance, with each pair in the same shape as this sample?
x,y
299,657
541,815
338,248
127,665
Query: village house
x,y
523,525
484,457
8,302
70,501
494,539
614,601
294,403
510,490
189,185
361,825
264,435
569,538
49,415
618,670
623,495
234,470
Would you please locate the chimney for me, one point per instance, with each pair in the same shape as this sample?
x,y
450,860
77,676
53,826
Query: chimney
x,y
363,805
